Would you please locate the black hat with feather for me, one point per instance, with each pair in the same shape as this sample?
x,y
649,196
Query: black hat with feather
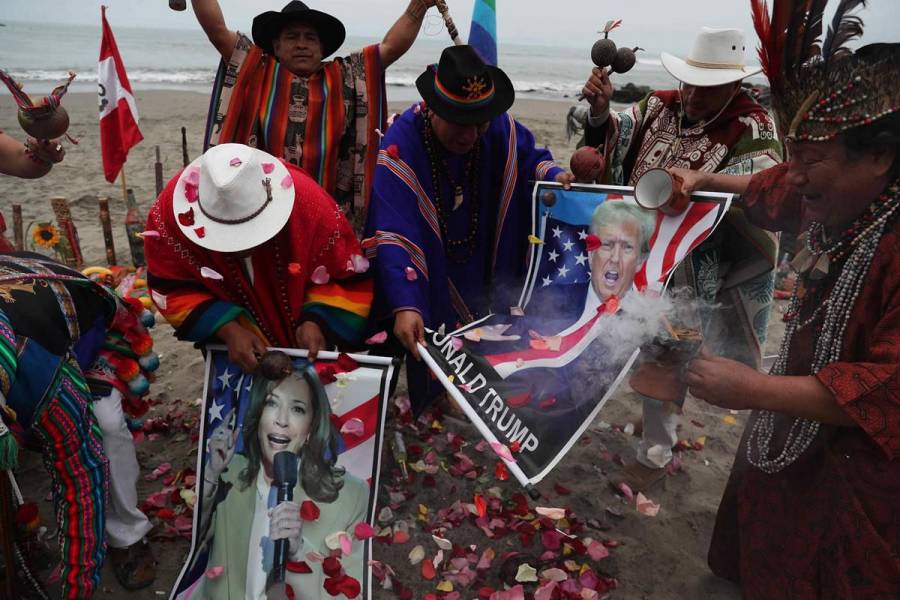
x,y
821,88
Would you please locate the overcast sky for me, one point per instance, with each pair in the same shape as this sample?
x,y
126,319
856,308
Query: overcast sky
x,y
654,24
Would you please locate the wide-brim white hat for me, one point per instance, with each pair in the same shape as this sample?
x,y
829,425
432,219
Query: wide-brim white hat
x,y
717,58
233,198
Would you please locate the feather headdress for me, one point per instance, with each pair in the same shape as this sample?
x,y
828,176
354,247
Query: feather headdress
x,y
820,87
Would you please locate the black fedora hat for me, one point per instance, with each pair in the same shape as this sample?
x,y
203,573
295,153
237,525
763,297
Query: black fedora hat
x,y
268,25
462,89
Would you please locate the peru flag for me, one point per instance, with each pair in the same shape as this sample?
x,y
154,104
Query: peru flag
x,y
118,112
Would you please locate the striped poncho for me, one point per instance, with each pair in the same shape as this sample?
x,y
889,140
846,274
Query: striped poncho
x,y
279,294
324,123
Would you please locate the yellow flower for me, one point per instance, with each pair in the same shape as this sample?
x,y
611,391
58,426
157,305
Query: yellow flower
x,y
45,235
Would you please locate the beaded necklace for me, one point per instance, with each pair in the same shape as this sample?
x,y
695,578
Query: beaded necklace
x,y
459,251
858,243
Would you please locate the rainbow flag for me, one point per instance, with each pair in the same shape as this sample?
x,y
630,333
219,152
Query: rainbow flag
x,y
483,33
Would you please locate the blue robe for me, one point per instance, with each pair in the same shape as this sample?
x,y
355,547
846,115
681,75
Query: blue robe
x,y
403,231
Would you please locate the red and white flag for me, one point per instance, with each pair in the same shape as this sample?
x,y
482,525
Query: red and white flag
x,y
118,111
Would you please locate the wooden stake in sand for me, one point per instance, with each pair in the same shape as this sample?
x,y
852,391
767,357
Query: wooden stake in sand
x,y
106,224
134,226
64,220
18,230
159,174
184,152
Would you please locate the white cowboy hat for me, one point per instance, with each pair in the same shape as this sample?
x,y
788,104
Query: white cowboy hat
x,y
717,58
233,198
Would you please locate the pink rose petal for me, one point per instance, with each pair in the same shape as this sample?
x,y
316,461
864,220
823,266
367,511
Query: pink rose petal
x,y
502,451
551,513
545,592
411,274
192,178
626,491
268,167
150,233
597,551
287,182
359,263
346,544
320,276
456,342
363,531
378,338
210,274
213,572
645,506
235,162
314,557
354,426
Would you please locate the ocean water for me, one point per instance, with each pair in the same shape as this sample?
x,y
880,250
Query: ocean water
x,y
40,55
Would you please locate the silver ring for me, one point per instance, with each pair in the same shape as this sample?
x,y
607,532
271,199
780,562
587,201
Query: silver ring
x,y
58,147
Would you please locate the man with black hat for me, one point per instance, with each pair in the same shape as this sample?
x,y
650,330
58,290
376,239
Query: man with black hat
x,y
278,94
450,213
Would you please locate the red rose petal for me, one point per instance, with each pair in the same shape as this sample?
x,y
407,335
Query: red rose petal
x,y
331,566
200,231
298,566
309,511
187,217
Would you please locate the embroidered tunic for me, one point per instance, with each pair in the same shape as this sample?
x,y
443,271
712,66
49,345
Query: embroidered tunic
x,y
276,294
324,123
826,526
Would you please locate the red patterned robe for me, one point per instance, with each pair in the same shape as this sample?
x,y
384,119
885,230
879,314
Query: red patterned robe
x,y
827,526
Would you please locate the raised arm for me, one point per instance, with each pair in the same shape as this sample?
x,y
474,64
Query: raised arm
x,y
403,33
31,161
209,15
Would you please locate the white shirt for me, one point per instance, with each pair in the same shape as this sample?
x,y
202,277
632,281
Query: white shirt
x,y
256,577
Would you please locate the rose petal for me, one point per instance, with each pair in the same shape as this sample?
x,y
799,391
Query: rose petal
x,y
200,231
363,531
552,513
211,274
346,543
516,311
320,275
298,566
354,426
268,168
554,574
150,233
186,218
545,592
502,451
294,269
287,182
411,274
645,506
191,192
309,511
378,338
193,177
442,543
456,342
359,263
213,572
626,491
533,239
235,162
526,573
416,555
597,551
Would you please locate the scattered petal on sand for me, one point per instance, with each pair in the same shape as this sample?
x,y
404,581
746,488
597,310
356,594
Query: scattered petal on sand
x,y
442,543
428,570
645,506
213,572
211,274
320,275
554,574
526,573
545,592
378,338
502,451
444,586
287,182
416,555
551,513
626,491
729,419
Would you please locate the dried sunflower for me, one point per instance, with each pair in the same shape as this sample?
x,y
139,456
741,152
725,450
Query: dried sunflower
x,y
46,235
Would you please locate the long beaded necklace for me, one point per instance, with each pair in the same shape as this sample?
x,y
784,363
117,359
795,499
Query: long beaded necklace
x,y
859,241
461,250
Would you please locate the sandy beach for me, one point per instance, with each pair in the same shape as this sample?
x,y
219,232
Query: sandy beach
x,y
662,557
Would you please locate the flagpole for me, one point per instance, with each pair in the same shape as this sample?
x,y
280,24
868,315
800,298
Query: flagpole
x,y
124,186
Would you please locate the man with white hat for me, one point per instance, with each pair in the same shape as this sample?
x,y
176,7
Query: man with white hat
x,y
710,123
248,250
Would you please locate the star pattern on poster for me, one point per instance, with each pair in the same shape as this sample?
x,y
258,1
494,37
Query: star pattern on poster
x,y
225,379
567,259
215,412
553,255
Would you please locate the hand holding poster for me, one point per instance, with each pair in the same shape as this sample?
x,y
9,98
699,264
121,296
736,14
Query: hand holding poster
x,y
535,378
330,415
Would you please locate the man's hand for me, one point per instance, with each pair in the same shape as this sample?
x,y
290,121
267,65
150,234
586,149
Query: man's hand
x,y
309,337
691,181
722,382
566,179
243,345
49,151
410,329
598,90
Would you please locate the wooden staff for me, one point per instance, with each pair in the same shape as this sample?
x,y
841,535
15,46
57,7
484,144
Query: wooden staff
x,y
159,174
134,225
64,220
184,154
448,21
106,223
18,230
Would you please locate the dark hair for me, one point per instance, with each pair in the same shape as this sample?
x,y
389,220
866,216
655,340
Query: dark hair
x,y
883,135
320,477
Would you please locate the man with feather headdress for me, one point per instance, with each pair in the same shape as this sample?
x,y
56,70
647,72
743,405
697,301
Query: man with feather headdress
x,y
811,508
